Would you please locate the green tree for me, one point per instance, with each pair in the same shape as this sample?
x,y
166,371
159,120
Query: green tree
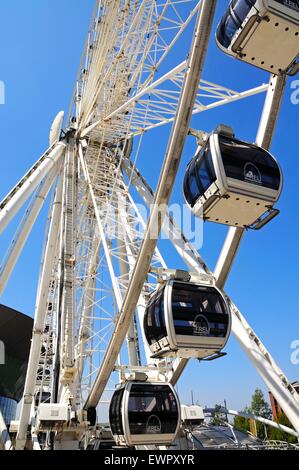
x,y
218,418
277,435
242,424
258,407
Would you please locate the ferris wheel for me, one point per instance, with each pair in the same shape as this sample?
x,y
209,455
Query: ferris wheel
x,y
114,324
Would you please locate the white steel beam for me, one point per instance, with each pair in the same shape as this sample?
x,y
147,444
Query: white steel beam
x,y
165,185
271,111
264,138
228,254
87,308
39,320
22,236
184,248
21,192
262,420
162,111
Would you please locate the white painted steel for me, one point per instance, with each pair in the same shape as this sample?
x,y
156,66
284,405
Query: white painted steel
x,y
118,96
26,187
21,238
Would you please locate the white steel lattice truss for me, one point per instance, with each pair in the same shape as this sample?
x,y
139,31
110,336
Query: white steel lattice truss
x,y
95,231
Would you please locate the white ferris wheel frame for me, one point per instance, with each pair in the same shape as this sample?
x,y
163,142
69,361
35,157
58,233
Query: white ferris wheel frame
x,y
172,98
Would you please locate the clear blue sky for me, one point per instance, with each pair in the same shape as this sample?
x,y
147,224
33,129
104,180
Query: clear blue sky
x,y
41,45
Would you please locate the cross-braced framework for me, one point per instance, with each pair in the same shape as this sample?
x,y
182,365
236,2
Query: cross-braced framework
x,y
100,260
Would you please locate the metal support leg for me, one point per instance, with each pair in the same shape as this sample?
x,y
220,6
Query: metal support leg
x,y
271,374
228,255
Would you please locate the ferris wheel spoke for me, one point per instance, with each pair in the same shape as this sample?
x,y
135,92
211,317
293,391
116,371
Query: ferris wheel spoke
x,y
156,105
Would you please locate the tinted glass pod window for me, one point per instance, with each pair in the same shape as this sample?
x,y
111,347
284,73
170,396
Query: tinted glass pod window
x,y
199,311
249,163
152,409
200,175
115,413
233,20
8,408
154,319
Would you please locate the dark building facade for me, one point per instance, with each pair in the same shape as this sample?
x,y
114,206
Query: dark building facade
x,y
15,338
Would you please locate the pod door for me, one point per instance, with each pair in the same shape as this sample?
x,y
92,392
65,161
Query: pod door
x,y
150,414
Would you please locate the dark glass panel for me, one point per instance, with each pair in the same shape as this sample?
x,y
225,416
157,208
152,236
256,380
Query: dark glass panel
x,y
205,169
198,311
153,409
115,413
186,188
154,319
232,20
241,8
8,408
226,30
191,186
200,175
246,162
